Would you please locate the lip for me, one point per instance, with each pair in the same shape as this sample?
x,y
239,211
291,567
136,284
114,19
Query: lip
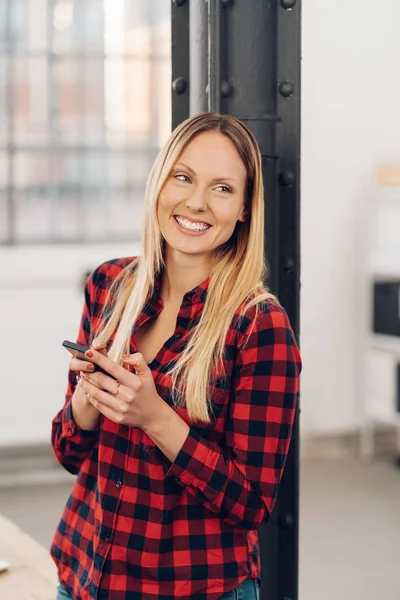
x,y
192,220
187,231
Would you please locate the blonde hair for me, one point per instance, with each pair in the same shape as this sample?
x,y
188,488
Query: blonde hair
x,y
236,277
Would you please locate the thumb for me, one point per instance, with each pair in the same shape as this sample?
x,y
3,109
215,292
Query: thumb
x,y
136,360
100,346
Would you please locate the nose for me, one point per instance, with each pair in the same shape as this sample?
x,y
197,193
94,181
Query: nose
x,y
197,200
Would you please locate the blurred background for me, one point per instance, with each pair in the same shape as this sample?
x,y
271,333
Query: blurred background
x,y
85,104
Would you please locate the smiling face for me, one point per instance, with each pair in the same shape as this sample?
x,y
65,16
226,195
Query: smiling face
x,y
205,186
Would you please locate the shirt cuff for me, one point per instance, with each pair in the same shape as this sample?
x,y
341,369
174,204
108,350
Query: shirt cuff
x,y
72,432
191,459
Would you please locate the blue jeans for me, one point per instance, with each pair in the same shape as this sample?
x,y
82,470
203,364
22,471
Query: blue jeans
x,y
247,590
62,594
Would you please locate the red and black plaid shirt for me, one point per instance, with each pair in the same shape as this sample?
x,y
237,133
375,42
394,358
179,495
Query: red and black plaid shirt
x,y
137,526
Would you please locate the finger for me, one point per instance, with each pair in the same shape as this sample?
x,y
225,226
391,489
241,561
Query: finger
x,y
107,412
103,398
76,364
99,345
113,368
138,361
102,381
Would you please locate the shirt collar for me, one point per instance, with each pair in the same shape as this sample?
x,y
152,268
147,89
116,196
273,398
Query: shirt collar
x,y
197,294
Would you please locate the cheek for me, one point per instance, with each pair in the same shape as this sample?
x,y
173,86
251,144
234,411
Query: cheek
x,y
167,198
163,203
227,216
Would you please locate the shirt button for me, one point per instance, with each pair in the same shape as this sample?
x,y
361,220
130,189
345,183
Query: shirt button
x,y
70,431
125,427
118,483
179,335
106,538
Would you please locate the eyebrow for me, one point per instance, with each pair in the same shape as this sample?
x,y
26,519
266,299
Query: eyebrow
x,y
215,178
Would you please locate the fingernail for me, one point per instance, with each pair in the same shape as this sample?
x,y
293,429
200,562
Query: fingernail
x,y
89,353
125,356
90,367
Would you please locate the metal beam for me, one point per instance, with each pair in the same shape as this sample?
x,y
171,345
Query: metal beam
x,y
180,61
248,90
288,151
198,42
253,72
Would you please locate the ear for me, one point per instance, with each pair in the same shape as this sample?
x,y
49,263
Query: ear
x,y
243,216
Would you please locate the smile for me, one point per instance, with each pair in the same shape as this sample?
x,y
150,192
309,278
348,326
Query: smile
x,y
184,224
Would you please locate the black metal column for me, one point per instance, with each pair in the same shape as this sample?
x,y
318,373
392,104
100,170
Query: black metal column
x,y
245,59
180,61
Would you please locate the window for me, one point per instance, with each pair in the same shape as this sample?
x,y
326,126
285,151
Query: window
x,y
84,108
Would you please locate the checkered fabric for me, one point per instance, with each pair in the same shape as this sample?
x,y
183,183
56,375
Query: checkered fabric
x,y
137,526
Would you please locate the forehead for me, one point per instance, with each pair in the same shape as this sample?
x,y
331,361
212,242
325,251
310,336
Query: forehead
x,y
214,154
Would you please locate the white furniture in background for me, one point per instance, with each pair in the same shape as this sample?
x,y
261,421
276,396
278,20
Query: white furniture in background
x,y
379,354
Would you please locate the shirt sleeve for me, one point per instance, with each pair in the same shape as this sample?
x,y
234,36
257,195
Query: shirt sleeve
x,y
72,444
240,482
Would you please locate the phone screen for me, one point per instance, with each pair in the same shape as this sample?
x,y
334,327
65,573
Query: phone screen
x,y
78,351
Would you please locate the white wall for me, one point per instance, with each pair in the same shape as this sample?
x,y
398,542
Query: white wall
x,y
350,122
41,299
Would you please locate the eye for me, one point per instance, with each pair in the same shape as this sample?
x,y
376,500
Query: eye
x,y
184,179
224,188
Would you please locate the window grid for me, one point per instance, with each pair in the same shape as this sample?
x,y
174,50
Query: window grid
x,y
84,117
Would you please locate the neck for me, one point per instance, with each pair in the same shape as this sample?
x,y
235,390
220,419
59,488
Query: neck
x,y
182,273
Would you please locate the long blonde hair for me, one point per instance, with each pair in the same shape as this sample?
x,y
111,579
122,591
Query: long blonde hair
x,y
236,277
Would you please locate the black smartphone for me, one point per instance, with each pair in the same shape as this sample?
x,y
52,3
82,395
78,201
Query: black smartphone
x,y
78,351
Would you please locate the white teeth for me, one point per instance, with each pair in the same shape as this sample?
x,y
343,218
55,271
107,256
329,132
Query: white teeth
x,y
192,226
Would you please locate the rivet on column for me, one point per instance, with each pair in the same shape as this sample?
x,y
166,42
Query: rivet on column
x,y
179,85
289,265
286,89
226,89
287,178
286,520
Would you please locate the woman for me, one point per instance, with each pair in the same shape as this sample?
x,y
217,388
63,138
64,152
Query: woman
x,y
180,450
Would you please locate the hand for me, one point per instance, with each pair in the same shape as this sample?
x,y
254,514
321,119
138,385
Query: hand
x,y
128,398
76,364
85,414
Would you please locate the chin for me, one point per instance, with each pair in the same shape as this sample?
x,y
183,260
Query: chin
x,y
187,249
